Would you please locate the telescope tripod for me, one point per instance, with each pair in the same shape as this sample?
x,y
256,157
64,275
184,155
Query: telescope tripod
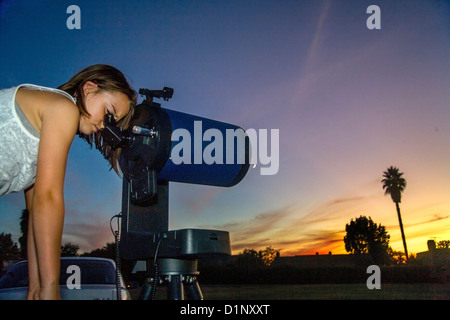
x,y
180,277
174,254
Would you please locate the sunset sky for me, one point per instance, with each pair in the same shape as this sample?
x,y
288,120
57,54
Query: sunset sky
x,y
348,102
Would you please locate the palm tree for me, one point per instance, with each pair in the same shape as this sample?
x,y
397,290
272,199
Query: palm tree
x,y
394,184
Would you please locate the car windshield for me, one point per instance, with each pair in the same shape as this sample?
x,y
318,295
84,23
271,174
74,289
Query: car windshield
x,y
91,272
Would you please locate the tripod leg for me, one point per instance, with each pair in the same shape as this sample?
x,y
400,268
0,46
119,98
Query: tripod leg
x,y
193,291
146,289
175,288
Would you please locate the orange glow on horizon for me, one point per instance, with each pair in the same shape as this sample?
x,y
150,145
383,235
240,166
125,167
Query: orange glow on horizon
x,y
422,220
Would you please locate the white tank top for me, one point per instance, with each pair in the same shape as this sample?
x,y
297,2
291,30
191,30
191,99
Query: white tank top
x,y
19,142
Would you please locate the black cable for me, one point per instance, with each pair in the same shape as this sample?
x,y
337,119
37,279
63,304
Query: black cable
x,y
155,271
116,235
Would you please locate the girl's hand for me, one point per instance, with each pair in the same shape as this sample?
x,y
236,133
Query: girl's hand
x,y
33,293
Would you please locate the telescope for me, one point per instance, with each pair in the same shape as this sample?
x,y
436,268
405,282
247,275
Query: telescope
x,y
162,146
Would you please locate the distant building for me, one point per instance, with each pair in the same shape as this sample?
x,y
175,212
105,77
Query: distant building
x,y
434,257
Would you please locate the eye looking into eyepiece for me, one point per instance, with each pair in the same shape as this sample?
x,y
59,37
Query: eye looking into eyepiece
x,y
115,136
109,119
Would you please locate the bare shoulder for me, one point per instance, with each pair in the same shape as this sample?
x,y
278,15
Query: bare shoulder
x,y
59,111
40,105
24,94
56,102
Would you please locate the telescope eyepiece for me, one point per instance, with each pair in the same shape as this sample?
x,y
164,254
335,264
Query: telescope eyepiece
x,y
108,119
113,135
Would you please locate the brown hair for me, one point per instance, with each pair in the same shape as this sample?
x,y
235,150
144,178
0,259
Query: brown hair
x,y
110,79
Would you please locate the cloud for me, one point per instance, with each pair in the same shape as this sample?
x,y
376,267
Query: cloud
x,y
321,241
87,236
193,198
287,228
257,231
435,218
318,36
334,209
87,224
294,230
432,226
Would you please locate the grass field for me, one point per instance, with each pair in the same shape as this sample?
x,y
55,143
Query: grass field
x,y
388,291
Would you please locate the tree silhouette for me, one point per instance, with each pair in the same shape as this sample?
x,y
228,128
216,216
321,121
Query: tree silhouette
x,y
366,237
250,258
69,250
8,249
444,244
108,251
394,184
269,255
24,230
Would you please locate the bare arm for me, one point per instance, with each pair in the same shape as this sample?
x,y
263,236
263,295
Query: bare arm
x,y
33,272
59,125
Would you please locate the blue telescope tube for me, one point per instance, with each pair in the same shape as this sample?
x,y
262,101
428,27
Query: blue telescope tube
x,y
219,152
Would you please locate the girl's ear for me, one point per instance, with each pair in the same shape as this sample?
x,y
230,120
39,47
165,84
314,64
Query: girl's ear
x,y
89,87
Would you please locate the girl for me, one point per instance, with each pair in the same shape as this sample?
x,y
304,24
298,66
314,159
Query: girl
x,y
37,127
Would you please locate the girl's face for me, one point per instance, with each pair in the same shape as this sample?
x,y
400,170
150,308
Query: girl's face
x,y
98,104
